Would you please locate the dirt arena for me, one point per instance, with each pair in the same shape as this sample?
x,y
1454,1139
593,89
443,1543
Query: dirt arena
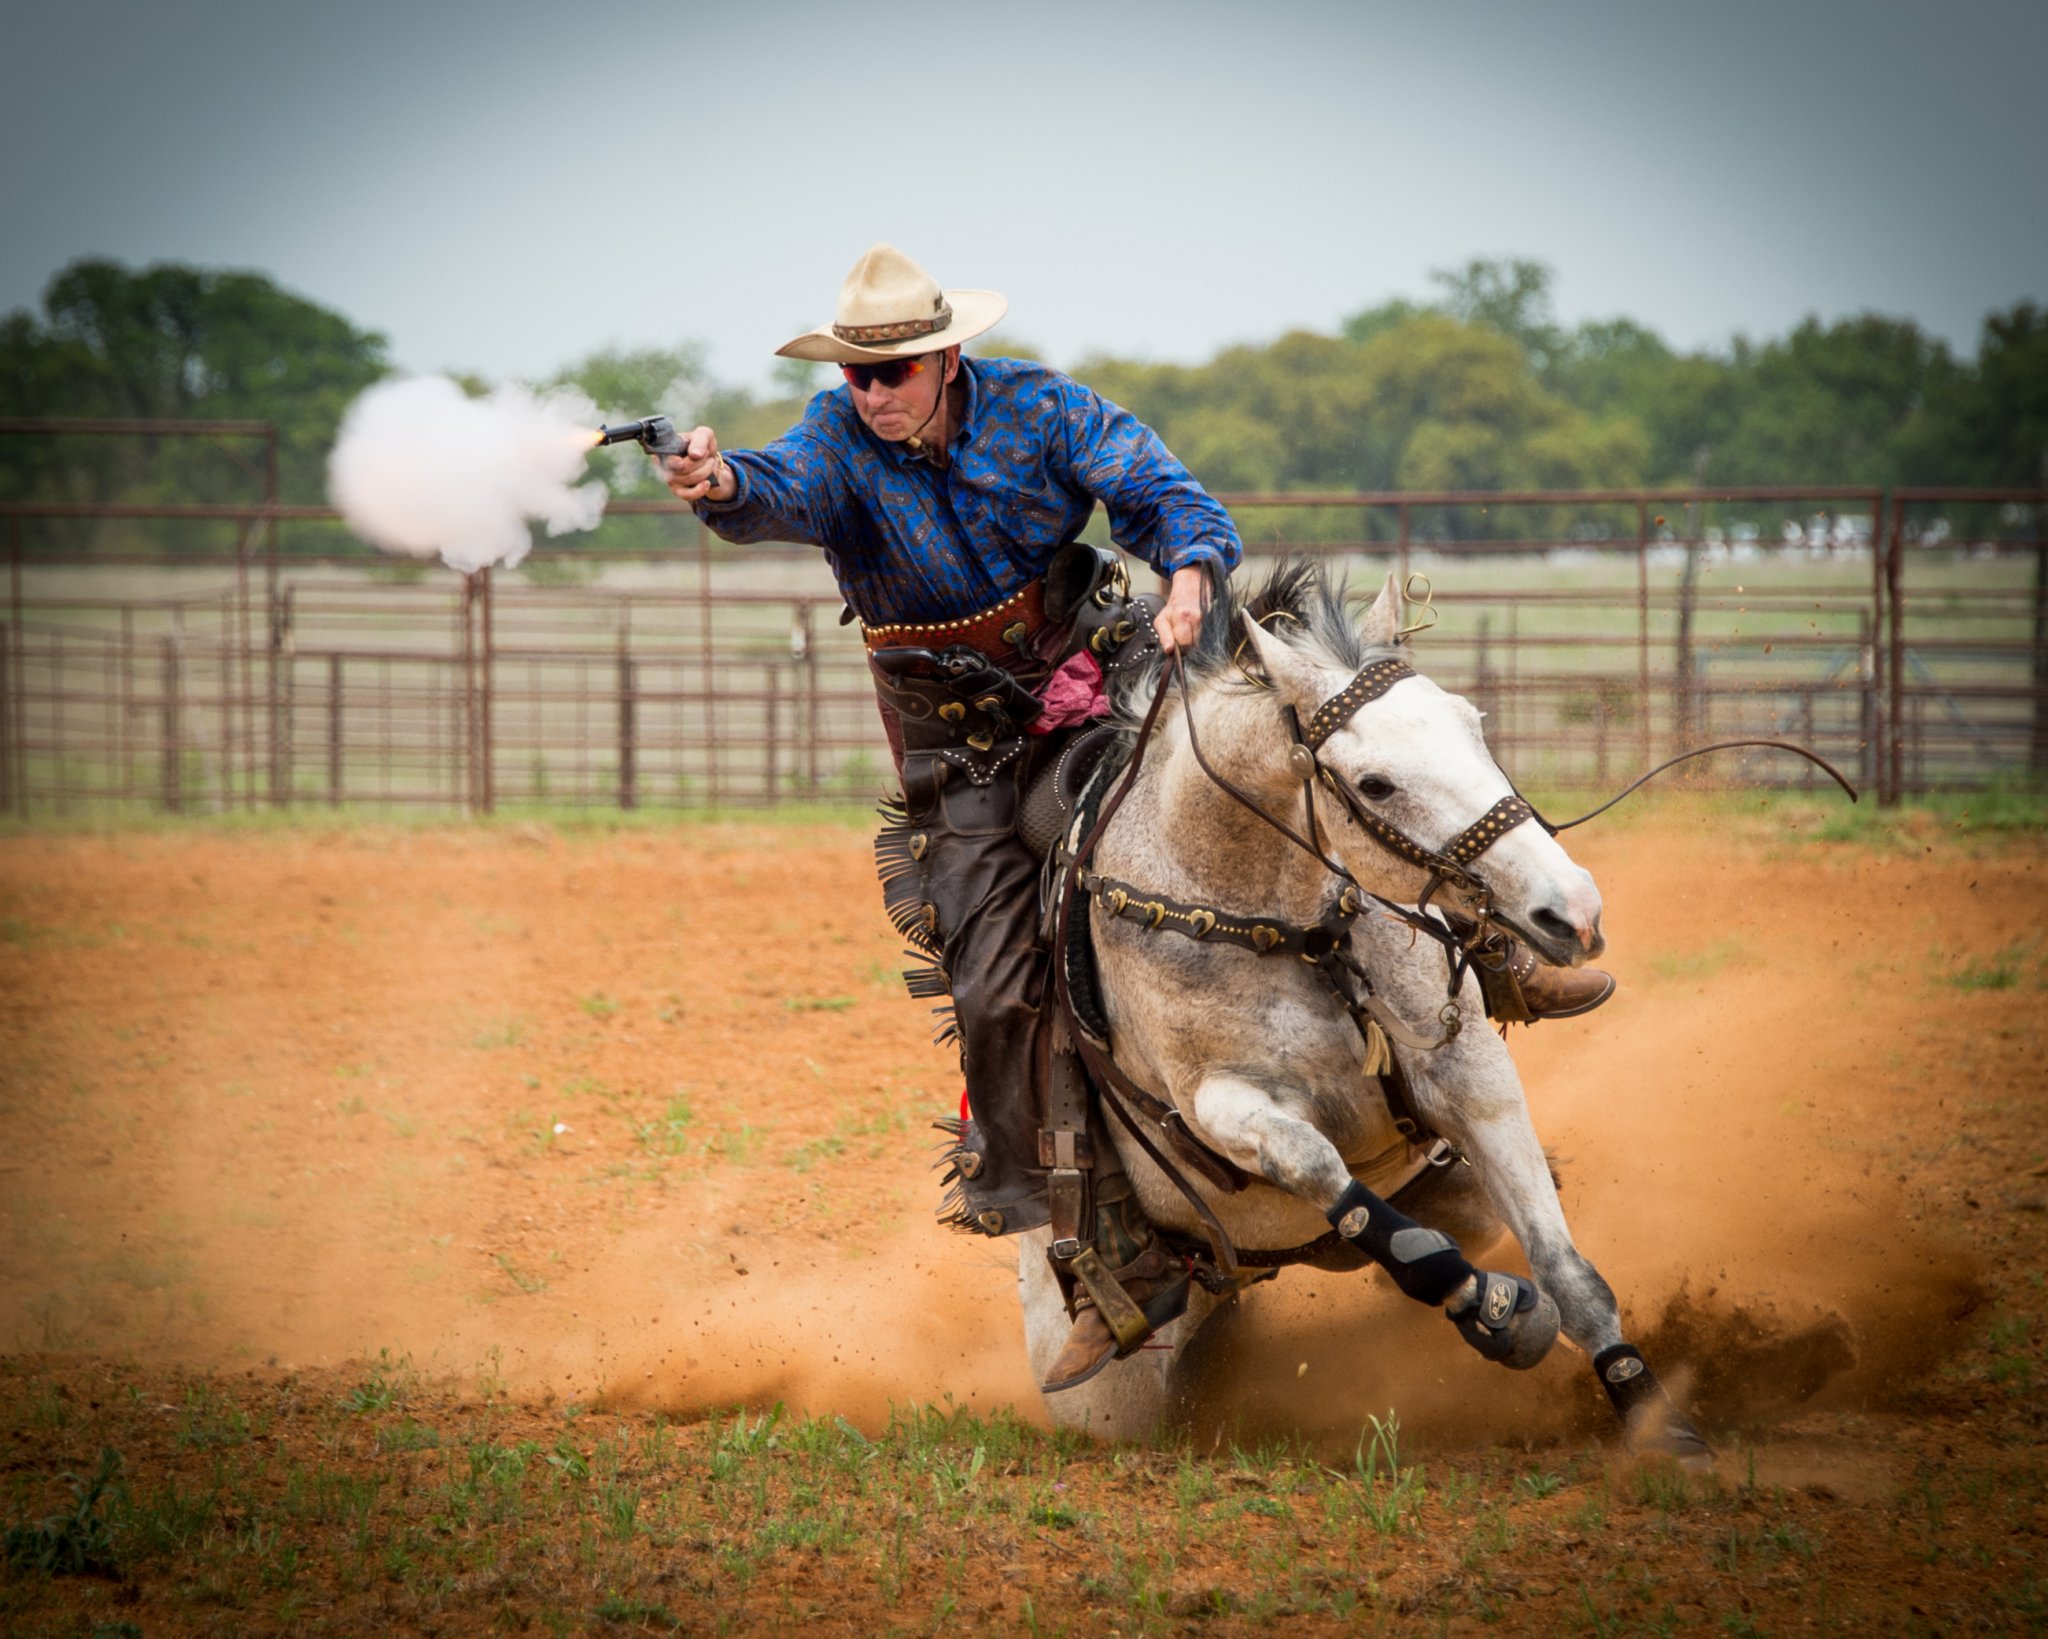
x,y
638,1119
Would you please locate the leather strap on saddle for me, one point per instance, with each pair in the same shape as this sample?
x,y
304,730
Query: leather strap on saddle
x,y
1127,1322
1065,1148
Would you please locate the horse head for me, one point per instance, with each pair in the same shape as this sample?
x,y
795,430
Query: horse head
x,y
1407,797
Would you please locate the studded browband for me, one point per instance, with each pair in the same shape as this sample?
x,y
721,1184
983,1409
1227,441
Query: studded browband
x,y
1372,681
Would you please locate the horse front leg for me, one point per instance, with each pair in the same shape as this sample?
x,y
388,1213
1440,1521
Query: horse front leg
x,y
1497,1137
1267,1133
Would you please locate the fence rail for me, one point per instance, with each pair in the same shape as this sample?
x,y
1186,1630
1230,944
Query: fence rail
x,y
1910,653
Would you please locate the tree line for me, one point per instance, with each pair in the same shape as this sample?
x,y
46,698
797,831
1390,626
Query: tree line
x,y
1477,386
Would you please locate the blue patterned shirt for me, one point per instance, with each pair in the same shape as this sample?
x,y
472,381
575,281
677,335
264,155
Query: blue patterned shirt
x,y
910,541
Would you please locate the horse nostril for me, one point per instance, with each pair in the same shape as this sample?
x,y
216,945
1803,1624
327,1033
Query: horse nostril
x,y
1548,921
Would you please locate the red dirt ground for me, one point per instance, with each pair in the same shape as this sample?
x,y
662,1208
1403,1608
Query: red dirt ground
x,y
641,1116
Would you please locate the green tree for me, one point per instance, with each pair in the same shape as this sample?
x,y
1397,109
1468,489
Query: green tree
x,y
1988,424
1512,299
177,342
1830,404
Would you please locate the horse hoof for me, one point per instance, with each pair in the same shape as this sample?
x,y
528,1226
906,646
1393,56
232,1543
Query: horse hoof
x,y
1509,1321
1672,1436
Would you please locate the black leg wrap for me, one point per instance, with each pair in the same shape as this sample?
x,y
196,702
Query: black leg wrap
x,y
1629,1382
1649,1421
1425,1263
1507,1321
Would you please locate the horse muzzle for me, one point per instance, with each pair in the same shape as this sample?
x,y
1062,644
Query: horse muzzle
x,y
1564,927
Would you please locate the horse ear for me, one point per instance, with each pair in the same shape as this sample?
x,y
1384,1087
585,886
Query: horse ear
x,y
1382,624
1284,669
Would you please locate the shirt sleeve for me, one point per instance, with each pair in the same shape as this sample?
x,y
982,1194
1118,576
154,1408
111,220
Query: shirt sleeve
x,y
788,490
1156,508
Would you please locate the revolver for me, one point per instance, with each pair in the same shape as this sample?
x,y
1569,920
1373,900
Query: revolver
x,y
657,435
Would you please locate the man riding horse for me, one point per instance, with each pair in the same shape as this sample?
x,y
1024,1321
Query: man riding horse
x,y
948,494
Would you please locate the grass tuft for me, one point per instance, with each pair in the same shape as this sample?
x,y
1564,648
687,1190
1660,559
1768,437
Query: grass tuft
x,y
77,1541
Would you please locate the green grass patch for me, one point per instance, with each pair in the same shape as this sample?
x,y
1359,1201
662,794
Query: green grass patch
x,y
1697,964
2004,970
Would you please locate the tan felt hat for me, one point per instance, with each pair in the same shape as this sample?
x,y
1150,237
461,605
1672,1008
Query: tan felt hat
x,y
888,307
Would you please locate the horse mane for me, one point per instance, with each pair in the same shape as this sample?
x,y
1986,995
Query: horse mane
x,y
1299,602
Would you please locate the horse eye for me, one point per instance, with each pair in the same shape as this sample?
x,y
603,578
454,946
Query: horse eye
x,y
1376,788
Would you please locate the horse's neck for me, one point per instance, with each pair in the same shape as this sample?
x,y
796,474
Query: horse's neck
x,y
1181,833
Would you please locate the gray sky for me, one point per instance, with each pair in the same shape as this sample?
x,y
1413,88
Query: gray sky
x,y
505,187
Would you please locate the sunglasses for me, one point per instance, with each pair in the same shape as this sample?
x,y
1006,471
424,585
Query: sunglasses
x,y
893,374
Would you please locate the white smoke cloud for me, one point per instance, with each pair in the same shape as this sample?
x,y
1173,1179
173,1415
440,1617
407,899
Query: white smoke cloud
x,y
421,468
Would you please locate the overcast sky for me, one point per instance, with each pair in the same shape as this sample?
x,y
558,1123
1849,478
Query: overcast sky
x,y
503,187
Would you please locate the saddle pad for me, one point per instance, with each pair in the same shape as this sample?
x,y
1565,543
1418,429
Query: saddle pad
x,y
1050,804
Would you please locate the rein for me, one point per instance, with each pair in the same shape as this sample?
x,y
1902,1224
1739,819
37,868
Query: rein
x,y
1634,786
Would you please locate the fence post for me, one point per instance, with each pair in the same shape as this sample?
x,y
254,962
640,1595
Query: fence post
x,y
1643,629
1867,752
17,701
6,722
1482,670
1895,661
334,730
173,731
768,752
628,736
807,684
277,607
2037,750
487,704
1686,726
284,689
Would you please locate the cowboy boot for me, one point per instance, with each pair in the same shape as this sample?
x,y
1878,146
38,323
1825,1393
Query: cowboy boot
x,y
1519,988
1121,1290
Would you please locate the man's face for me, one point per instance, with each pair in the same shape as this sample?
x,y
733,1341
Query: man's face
x,y
894,413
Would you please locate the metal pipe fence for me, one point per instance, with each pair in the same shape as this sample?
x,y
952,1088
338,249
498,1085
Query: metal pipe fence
x,y
1599,631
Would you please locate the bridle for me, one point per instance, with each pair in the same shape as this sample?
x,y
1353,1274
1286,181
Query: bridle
x,y
1450,866
1325,945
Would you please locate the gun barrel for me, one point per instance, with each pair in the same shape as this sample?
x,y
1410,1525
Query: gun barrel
x,y
656,434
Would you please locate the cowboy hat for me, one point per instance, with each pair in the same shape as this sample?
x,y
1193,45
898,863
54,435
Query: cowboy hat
x,y
889,307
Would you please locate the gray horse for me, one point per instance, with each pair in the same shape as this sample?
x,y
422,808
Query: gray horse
x,y
1261,1061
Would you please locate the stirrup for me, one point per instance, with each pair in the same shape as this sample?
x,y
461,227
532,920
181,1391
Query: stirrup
x,y
1108,1331
1117,1307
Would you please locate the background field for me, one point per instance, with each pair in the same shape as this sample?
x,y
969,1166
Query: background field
x,y
407,1208
707,679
